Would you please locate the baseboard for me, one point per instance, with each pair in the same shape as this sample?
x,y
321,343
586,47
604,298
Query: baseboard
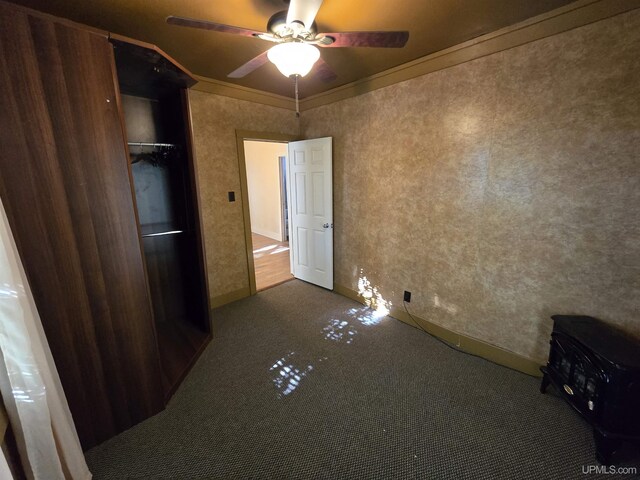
x,y
267,233
465,343
225,298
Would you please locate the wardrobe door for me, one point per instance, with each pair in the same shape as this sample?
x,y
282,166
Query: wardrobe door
x,y
64,182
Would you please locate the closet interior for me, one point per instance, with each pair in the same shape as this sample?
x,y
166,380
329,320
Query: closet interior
x,y
157,124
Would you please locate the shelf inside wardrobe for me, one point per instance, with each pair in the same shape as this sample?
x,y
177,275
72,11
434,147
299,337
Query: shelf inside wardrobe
x,y
150,144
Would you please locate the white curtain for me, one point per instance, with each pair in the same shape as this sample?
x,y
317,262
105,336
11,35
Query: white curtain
x,y
29,383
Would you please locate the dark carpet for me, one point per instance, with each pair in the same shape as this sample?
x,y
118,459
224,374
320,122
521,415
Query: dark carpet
x,y
301,383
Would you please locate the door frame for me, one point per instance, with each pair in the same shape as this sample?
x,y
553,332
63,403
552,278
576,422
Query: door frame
x,y
241,136
284,201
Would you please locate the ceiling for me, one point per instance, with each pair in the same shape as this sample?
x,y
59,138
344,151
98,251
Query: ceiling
x,y
433,25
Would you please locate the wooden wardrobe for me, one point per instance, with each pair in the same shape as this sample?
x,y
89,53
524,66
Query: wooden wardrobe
x,y
125,312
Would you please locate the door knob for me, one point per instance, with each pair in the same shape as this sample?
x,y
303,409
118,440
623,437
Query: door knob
x,y
326,225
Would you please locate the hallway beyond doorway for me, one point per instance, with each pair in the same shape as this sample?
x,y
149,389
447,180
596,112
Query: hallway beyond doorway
x,y
271,260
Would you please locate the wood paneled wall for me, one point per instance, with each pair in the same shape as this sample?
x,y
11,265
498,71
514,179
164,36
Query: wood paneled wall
x,y
65,185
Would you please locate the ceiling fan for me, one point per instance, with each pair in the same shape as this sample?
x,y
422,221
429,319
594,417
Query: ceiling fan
x,y
297,38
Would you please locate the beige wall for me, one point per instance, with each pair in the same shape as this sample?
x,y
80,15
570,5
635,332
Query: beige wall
x,y
215,121
499,191
263,182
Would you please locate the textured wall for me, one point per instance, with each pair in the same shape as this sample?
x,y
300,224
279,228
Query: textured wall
x,y
215,121
498,191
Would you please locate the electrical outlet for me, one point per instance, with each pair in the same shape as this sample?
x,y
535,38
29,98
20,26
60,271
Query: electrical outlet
x,y
407,297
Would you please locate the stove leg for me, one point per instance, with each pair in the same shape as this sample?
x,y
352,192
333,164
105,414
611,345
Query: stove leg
x,y
605,447
544,384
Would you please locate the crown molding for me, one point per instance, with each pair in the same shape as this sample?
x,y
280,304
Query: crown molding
x,y
576,14
225,89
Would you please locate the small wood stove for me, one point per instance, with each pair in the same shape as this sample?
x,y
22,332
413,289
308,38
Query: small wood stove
x,y
596,368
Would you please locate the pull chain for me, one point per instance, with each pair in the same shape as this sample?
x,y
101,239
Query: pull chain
x,y
297,101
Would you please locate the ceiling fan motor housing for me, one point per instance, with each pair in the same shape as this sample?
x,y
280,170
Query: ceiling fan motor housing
x,y
277,25
294,31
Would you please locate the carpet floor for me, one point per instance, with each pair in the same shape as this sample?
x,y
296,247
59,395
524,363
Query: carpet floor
x,y
302,383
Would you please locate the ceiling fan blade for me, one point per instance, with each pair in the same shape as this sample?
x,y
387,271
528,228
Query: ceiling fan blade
x,y
216,27
304,11
365,39
250,66
323,71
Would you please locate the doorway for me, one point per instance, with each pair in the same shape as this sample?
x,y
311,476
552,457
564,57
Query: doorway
x,y
305,211
265,163
262,163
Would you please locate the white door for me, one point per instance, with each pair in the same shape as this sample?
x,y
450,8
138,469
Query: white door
x,y
309,173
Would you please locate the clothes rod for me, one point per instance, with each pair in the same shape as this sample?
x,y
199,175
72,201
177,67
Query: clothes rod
x,y
147,144
172,232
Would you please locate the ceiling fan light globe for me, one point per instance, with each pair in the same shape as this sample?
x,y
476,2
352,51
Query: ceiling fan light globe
x,y
294,58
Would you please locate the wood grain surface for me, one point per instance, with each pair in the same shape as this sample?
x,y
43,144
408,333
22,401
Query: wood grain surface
x,y
64,183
